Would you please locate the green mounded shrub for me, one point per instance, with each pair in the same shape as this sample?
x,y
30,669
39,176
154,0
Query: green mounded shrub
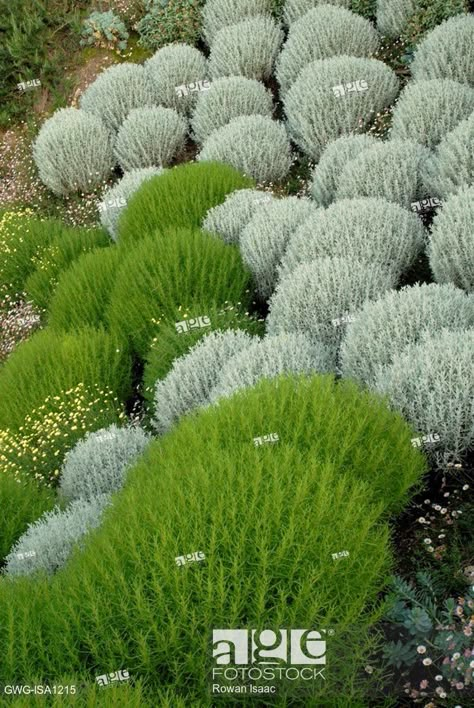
x,y
451,168
427,110
229,219
228,98
166,271
393,16
248,48
118,90
169,22
334,158
431,384
446,52
179,198
264,240
369,230
316,116
326,31
383,328
255,145
411,19
73,152
315,294
451,246
391,170
150,137
295,9
104,29
173,66
217,14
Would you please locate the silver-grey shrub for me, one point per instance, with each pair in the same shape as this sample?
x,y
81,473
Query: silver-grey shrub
x,y
217,14
392,170
116,91
393,16
73,152
248,48
150,137
115,198
447,52
335,157
315,294
228,98
316,116
451,167
264,240
370,230
172,66
427,110
324,32
385,327
229,219
54,536
255,145
451,246
98,463
294,9
189,383
270,357
431,384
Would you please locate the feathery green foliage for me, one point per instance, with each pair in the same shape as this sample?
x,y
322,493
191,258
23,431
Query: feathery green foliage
x,y
446,52
169,21
218,14
451,167
229,219
294,9
172,66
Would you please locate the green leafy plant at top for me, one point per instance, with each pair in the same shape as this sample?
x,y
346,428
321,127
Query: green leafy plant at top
x,y
174,21
428,14
104,29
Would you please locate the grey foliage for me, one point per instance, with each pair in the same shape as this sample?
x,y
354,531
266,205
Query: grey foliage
x,y
385,327
99,462
217,14
54,536
324,32
172,66
393,16
255,145
294,9
447,52
264,240
229,219
228,98
73,152
189,383
316,116
451,167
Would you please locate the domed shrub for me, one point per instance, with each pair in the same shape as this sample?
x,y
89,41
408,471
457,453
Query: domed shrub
x,y
315,296
255,145
248,48
317,115
229,219
270,357
369,230
163,272
451,167
48,543
294,9
98,464
228,98
392,170
385,327
115,199
117,91
333,160
427,110
174,66
446,52
393,16
192,377
150,137
264,240
217,14
73,152
324,32
451,247
431,384
179,198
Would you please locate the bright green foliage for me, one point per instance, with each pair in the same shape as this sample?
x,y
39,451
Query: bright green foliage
x,y
218,14
178,198
118,90
385,327
324,32
427,110
73,151
165,271
229,219
451,167
366,8
430,13
228,98
316,115
256,145
451,247
173,66
295,9
173,21
150,137
248,48
446,52
393,16
108,26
